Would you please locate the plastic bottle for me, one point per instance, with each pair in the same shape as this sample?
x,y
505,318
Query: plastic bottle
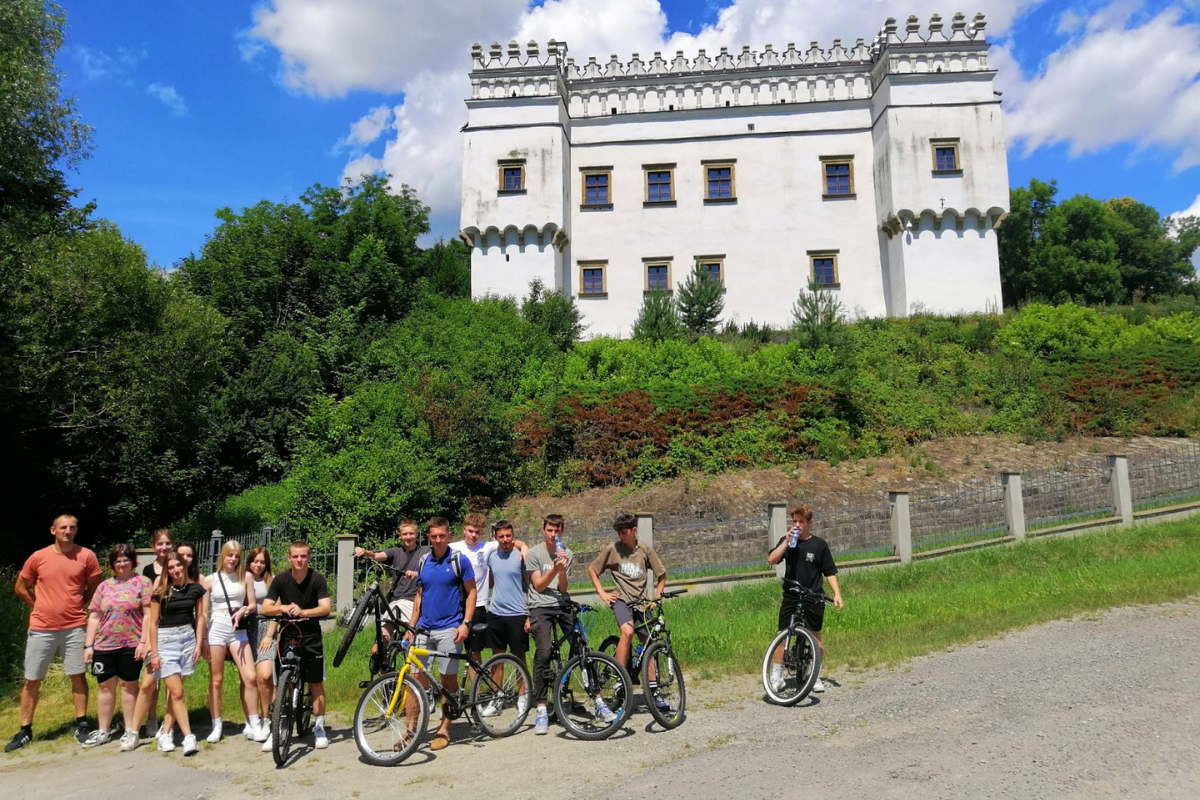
x,y
559,550
637,653
793,537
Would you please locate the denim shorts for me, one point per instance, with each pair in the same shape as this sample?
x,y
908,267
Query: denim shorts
x,y
176,651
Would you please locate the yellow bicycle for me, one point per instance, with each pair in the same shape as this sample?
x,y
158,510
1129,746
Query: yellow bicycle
x,y
393,713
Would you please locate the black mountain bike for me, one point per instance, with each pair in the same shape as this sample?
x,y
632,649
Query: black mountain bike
x,y
587,681
796,651
292,709
373,601
654,662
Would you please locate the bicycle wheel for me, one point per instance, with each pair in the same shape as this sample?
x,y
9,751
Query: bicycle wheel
x,y
800,655
588,686
667,699
303,709
283,715
500,695
365,601
384,738
609,647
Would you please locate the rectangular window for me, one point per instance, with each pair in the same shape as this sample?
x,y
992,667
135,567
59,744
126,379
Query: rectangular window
x,y
945,156
719,181
658,275
714,266
592,281
597,187
823,270
512,176
838,173
660,179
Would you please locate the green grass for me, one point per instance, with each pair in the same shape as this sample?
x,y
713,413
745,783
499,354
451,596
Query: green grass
x,y
892,614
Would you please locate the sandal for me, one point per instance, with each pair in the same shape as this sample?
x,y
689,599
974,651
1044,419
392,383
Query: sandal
x,y
404,741
440,742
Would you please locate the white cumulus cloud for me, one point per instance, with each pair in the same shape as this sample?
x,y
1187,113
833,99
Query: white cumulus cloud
x,y
1119,81
368,128
168,97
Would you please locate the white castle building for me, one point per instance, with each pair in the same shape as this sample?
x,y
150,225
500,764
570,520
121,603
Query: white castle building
x,y
876,170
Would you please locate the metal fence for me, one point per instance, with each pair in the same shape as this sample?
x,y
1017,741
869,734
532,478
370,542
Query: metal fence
x,y
958,518
860,528
1067,493
1167,478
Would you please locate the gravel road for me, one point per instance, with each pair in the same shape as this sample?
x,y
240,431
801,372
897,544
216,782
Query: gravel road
x,y
1102,706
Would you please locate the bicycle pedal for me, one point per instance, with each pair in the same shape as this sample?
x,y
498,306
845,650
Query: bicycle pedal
x,y
363,684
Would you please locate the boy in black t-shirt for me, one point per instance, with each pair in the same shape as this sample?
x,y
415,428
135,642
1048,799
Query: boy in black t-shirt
x,y
302,593
807,561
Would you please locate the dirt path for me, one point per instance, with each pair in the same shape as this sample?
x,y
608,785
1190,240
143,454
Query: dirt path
x,y
1095,707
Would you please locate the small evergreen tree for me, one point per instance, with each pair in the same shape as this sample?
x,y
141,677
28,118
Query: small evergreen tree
x,y
701,301
818,318
659,319
554,312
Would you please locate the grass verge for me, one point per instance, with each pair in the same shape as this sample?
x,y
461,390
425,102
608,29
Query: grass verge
x,y
891,614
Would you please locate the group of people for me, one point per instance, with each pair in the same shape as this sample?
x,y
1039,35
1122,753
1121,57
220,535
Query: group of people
x,y
163,620
167,618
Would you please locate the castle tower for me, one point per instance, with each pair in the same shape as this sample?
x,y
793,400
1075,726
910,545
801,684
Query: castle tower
x,y
515,161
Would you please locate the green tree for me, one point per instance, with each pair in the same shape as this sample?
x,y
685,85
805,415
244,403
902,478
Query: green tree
x,y
553,312
701,301
1077,257
1153,262
1018,237
658,319
818,318
446,268
40,131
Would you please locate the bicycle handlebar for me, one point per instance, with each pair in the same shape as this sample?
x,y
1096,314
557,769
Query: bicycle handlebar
x,y
795,587
668,595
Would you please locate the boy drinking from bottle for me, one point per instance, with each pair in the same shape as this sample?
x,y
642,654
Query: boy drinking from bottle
x,y
807,559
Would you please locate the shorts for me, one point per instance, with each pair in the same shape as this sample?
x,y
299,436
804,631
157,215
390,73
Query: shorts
x,y
478,639
42,646
813,614
221,632
311,651
624,614
176,651
508,633
403,608
119,663
264,653
441,640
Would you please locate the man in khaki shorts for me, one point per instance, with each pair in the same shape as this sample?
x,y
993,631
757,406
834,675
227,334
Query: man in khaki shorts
x,y
57,582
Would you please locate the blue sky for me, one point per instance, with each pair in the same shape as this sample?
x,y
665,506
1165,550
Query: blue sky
x,y
201,106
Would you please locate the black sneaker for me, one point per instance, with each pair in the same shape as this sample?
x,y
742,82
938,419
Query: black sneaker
x,y
82,731
17,742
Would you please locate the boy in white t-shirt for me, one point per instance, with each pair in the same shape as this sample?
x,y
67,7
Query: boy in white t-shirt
x,y
477,551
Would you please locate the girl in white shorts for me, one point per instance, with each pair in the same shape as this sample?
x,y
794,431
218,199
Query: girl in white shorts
x,y
230,603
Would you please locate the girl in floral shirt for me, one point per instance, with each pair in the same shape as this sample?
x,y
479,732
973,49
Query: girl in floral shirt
x,y
113,645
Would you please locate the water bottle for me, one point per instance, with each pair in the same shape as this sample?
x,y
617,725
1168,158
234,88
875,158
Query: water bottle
x,y
559,550
637,653
793,537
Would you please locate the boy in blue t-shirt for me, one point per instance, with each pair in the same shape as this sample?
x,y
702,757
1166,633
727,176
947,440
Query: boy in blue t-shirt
x,y
443,608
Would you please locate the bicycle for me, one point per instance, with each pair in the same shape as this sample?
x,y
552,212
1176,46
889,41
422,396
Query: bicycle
x,y
656,655
373,601
585,676
797,649
497,701
292,709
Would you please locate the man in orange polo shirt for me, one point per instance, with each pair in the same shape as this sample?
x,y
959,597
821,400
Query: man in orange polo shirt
x,y
57,582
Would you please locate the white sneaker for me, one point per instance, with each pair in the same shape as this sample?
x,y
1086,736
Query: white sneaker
x,y
267,743
166,743
97,738
777,681
604,713
130,741
522,704
260,733
541,726
819,686
492,709
215,736
321,741
189,745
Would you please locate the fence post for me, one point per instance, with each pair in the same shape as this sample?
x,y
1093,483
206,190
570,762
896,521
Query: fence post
x,y
1014,504
214,551
901,526
645,527
776,528
1122,497
345,570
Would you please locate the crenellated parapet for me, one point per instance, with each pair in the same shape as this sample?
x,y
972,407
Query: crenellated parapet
x,y
723,79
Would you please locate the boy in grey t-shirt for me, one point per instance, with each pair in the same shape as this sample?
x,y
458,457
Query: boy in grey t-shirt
x,y
508,618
